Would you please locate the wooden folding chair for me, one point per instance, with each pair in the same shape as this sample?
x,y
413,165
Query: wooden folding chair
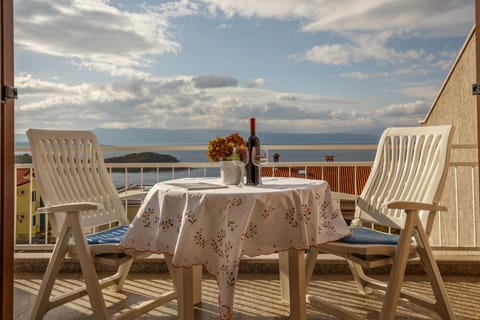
x,y
87,215
402,192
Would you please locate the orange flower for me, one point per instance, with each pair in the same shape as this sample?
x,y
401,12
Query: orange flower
x,y
227,148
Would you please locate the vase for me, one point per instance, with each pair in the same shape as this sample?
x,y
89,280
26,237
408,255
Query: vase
x,y
230,173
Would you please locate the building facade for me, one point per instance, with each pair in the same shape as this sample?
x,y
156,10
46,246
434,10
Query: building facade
x,y
455,105
27,203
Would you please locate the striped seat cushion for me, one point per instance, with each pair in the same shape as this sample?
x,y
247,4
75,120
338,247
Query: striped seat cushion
x,y
113,235
369,236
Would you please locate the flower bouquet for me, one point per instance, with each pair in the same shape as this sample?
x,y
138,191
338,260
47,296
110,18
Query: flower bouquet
x,y
231,153
231,147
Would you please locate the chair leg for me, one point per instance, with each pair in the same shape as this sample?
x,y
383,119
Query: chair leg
x,y
42,302
361,279
397,273
88,268
310,262
442,305
122,274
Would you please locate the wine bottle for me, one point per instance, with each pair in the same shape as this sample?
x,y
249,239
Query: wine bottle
x,y
253,145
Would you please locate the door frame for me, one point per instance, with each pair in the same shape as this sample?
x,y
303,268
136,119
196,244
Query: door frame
x,y
7,167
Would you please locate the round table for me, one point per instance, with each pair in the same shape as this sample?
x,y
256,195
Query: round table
x,y
201,222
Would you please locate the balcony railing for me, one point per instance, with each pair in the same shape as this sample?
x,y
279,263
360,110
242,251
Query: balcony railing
x,y
346,179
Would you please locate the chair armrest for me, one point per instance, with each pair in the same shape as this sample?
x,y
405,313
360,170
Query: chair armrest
x,y
133,195
414,206
344,196
70,207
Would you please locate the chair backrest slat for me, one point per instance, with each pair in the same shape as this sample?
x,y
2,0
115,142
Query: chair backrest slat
x,y
78,176
69,167
410,165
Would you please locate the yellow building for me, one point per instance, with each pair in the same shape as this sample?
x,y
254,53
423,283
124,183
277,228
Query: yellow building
x,y
28,201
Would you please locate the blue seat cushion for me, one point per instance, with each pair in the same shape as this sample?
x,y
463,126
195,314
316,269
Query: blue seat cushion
x,y
113,235
370,236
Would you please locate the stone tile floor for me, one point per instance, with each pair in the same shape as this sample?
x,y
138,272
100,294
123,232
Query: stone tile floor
x,y
257,297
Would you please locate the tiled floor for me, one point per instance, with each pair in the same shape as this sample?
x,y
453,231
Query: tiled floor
x,y
256,297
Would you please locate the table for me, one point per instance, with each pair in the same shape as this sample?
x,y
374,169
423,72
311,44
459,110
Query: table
x,y
201,222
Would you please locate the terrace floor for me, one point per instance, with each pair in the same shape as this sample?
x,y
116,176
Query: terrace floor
x,y
257,296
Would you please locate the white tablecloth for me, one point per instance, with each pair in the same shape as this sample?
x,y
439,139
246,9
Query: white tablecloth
x,y
215,227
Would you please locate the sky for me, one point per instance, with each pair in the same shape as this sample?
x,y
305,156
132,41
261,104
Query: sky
x,y
303,66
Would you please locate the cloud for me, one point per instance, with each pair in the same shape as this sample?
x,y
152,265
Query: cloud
x,y
425,91
430,17
413,69
418,107
360,47
96,35
425,65
445,60
355,75
257,83
206,82
366,28
224,26
330,54
177,103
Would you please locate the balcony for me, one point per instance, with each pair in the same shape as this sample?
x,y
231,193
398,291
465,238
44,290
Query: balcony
x,y
456,250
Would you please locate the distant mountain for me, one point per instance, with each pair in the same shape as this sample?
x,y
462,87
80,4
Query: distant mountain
x,y
23,158
139,136
145,137
142,157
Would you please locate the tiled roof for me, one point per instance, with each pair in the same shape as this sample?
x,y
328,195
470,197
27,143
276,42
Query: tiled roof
x,y
340,178
23,176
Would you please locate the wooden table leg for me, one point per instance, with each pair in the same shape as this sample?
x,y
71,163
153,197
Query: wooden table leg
x,y
297,291
197,284
185,294
283,270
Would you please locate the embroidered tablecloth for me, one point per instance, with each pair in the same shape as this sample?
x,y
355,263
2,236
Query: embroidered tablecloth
x,y
198,221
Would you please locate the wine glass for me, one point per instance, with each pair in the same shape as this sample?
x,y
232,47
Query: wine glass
x,y
241,162
259,159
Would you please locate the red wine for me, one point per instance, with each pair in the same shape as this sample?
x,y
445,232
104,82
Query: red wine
x,y
253,145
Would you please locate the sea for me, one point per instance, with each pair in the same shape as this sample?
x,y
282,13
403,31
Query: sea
x,y
149,178
200,137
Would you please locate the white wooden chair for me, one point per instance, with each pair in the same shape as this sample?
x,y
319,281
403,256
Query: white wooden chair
x,y
79,196
402,192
